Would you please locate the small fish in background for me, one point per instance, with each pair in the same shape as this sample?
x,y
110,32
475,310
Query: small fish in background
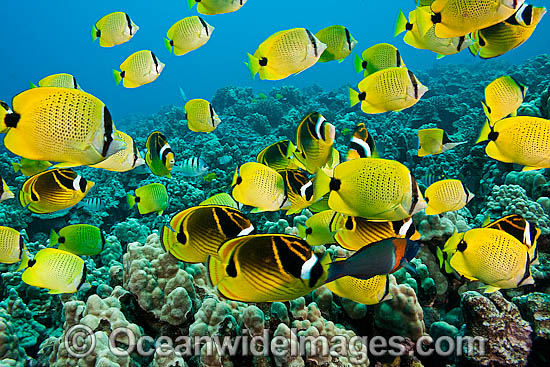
x,y
62,125
58,80
151,198
521,140
503,97
92,204
114,29
505,36
266,268
212,7
4,110
53,190
448,16
392,89
314,143
29,167
5,192
223,199
446,196
187,35
316,230
140,68
12,248
79,239
124,160
191,167
209,177
182,94
428,41
366,291
339,43
160,157
278,155
56,270
378,57
434,141
224,159
362,144
285,53
201,116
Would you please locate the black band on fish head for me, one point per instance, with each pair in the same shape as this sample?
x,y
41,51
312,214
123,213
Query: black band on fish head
x,y
231,268
313,42
348,38
83,278
103,241
181,237
527,15
460,43
204,25
493,135
462,246
129,22
4,105
415,195
263,61
436,18
414,83
350,225
532,232
21,246
12,119
83,184
397,58
316,273
108,134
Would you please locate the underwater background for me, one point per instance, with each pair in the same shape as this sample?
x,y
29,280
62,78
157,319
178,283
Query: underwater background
x,y
134,283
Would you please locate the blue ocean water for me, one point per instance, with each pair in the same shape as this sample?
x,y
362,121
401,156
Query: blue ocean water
x,y
42,38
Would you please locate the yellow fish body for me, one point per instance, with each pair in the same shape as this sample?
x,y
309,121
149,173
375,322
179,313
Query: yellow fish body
x,y
79,239
141,67
114,29
223,199
446,196
124,160
12,248
505,36
372,188
378,57
339,43
366,291
197,232
266,268
53,190
362,144
5,192
503,96
285,53
314,139
259,186
212,7
392,89
56,270
298,189
187,35
434,141
29,167
316,230
201,116
58,80
160,157
151,198
62,125
278,155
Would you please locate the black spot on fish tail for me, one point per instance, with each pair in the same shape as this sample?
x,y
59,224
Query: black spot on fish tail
x,y
61,240
239,181
436,18
171,42
462,246
31,263
12,119
409,27
263,61
364,64
137,199
362,96
309,230
98,33
493,135
335,184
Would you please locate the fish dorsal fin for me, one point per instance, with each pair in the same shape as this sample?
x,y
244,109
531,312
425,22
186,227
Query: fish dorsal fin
x,y
517,226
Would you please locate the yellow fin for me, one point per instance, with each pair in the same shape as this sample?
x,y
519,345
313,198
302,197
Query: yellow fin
x,y
489,289
484,133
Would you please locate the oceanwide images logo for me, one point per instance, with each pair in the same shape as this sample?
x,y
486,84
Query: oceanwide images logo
x,y
80,341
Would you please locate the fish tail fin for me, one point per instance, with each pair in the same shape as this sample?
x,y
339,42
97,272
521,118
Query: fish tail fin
x,y
168,45
475,47
400,24
16,167
54,238
32,85
301,231
253,65
321,185
24,261
440,56
191,3
358,63
94,33
353,97
131,201
117,75
424,21
485,131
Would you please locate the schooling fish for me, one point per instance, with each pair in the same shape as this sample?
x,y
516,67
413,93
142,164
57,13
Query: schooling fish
x,y
372,188
503,96
53,190
392,89
79,239
139,68
5,192
378,57
455,18
315,139
62,125
201,116
446,196
278,155
29,167
211,7
521,140
382,257
92,204
114,29
365,291
222,199
124,160
187,35
362,144
197,232
56,270
339,43
151,198
160,157
434,141
12,248
191,167
316,230
505,36
298,190
58,80
266,268
285,53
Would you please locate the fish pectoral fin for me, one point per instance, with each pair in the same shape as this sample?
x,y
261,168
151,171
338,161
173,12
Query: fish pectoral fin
x,y
258,210
489,289
55,291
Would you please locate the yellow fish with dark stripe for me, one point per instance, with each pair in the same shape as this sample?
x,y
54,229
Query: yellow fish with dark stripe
x,y
62,125
53,190
187,35
339,43
56,270
201,116
211,7
266,268
79,239
278,155
392,89
12,248
151,198
315,139
197,232
5,192
316,230
353,233
160,157
378,57
124,160
446,196
505,36
298,189
62,80
114,29
365,291
503,97
362,144
140,68
434,141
